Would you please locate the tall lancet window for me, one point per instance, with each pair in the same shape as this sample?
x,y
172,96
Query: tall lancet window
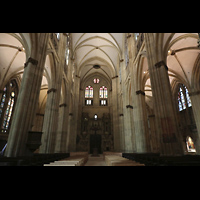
x,y
7,105
89,95
89,92
184,100
137,36
188,97
190,145
103,92
58,35
103,95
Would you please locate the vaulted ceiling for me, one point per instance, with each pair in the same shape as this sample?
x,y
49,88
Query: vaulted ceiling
x,y
105,49
12,55
181,53
102,49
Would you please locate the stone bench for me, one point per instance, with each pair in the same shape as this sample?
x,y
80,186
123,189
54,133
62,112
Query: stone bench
x,y
34,160
120,161
154,159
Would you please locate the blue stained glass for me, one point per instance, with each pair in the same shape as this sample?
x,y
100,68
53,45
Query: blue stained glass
x,y
183,99
180,106
188,97
7,113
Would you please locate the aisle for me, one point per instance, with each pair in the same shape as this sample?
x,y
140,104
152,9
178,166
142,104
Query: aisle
x,y
95,161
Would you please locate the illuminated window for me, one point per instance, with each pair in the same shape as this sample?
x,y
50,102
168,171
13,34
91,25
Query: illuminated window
x,y
95,117
88,102
103,102
136,36
58,35
183,98
188,97
89,92
3,101
190,145
96,80
7,105
103,92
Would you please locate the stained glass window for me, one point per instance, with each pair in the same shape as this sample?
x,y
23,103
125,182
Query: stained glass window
x,y
96,80
103,92
190,145
188,97
2,101
8,112
89,92
7,105
183,98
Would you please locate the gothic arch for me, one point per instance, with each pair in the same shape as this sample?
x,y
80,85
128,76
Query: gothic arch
x,y
140,84
51,73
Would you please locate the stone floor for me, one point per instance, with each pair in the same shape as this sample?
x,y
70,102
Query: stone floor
x,y
95,161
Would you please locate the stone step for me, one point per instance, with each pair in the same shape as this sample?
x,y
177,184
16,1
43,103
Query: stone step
x,y
113,160
75,159
63,163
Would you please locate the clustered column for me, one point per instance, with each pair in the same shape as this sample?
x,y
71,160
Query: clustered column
x,y
52,107
27,100
166,123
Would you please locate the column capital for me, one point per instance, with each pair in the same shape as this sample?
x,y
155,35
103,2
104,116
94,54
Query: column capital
x,y
63,105
140,92
31,60
51,90
128,36
161,63
129,106
115,77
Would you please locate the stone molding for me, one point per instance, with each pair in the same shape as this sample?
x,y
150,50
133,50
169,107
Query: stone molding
x,y
194,93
